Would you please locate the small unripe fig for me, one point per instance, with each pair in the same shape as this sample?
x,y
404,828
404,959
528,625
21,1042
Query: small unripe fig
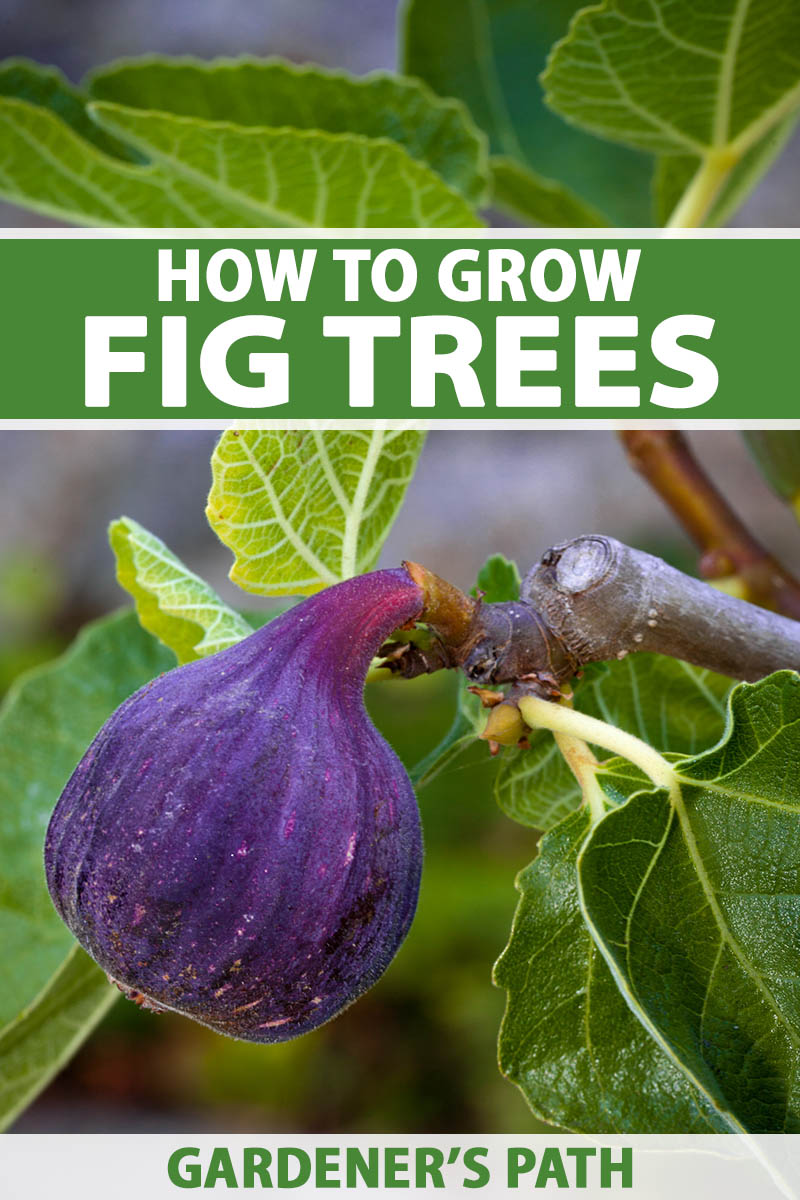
x,y
239,844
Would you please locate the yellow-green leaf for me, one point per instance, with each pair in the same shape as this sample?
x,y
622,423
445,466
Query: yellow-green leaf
x,y
537,200
292,177
173,603
304,510
268,92
668,703
703,86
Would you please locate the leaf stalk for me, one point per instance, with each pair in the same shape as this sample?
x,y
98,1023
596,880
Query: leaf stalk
x,y
696,202
543,714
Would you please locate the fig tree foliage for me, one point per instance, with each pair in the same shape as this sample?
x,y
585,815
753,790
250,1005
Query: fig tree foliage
x,y
628,112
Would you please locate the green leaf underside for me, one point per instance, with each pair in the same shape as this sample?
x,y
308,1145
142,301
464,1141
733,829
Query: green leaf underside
x,y
270,92
665,702
45,166
694,898
675,172
672,77
489,53
172,603
46,722
214,174
568,1040
535,787
44,1037
293,177
304,510
538,201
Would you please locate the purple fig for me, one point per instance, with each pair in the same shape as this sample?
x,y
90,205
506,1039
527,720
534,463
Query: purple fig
x,y
239,844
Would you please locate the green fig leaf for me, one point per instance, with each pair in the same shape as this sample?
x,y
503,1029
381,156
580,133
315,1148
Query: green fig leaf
x,y
569,1041
47,88
172,603
693,895
675,172
291,177
109,165
676,79
304,510
273,93
468,723
44,1037
489,53
47,167
47,720
498,580
535,200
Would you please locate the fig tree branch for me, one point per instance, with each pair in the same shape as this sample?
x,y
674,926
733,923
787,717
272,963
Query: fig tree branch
x,y
602,599
666,461
593,599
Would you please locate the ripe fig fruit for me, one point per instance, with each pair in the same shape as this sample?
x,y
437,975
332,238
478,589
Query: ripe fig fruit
x,y
239,844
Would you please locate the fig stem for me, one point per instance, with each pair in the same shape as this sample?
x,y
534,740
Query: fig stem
x,y
448,610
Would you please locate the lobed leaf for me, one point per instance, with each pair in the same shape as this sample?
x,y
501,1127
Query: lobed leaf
x,y
304,510
46,166
46,722
271,92
488,53
68,160
579,1055
172,603
693,895
291,177
668,703
666,76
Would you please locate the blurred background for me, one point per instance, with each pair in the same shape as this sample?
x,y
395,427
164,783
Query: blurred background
x,y
417,1054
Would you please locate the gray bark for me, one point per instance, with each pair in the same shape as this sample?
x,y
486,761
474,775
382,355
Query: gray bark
x,y
604,600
